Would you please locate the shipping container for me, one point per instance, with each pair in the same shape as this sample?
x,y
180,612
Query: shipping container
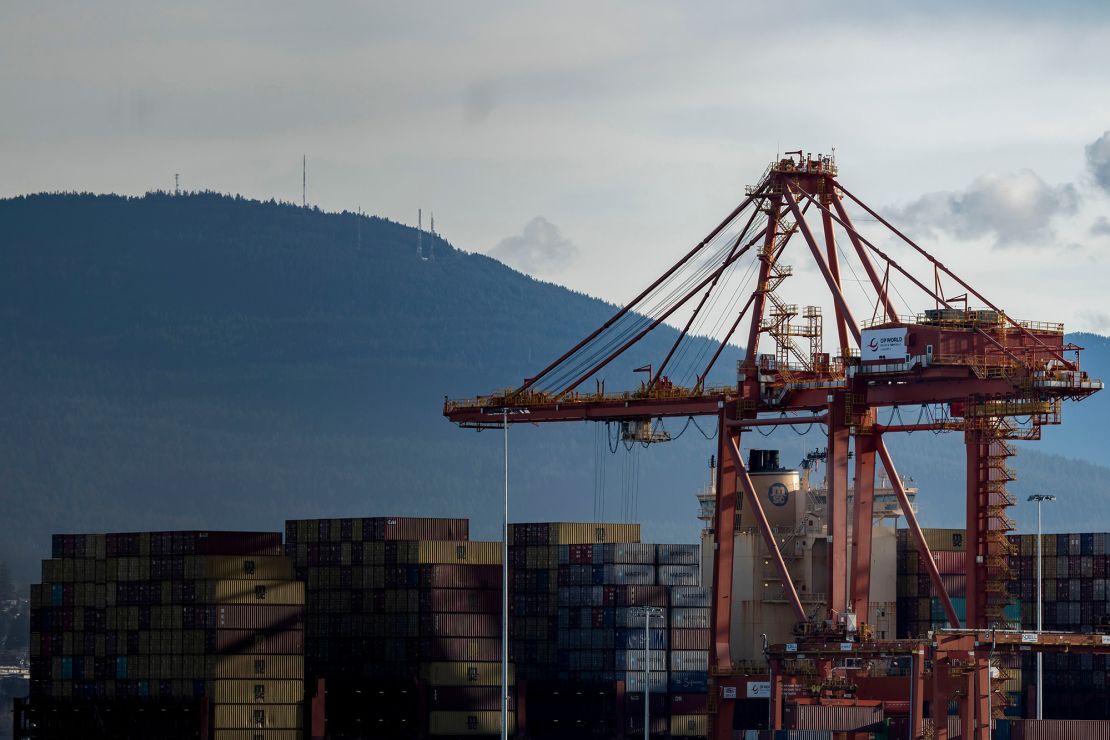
x,y
468,698
441,552
287,691
468,723
572,533
459,673
257,666
839,718
689,725
260,716
259,592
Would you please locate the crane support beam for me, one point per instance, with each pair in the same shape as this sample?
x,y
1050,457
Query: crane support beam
x,y
767,256
756,507
925,554
834,269
724,528
880,288
837,506
834,289
862,526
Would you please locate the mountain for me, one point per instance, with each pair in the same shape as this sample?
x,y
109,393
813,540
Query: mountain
x,y
204,361
207,361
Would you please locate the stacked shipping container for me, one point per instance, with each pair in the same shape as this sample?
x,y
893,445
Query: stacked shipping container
x,y
202,628
578,630
1075,571
397,601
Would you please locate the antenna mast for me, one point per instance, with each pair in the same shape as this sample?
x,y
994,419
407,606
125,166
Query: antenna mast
x,y
176,184
304,180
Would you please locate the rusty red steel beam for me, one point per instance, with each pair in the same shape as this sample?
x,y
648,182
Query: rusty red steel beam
x,y
834,268
834,289
765,529
724,527
666,314
868,267
704,298
766,259
923,550
529,382
951,274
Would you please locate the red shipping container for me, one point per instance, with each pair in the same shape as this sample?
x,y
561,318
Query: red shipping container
x,y
689,703
950,562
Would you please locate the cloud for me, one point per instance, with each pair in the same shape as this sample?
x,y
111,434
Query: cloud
x,y
1101,226
1098,160
539,249
1095,321
1015,208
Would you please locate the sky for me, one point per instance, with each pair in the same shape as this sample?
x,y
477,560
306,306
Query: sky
x,y
590,144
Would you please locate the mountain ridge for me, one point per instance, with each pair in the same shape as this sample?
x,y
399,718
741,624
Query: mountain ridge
x,y
209,361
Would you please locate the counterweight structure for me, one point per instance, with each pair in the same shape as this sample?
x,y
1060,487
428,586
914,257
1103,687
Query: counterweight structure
x,y
971,370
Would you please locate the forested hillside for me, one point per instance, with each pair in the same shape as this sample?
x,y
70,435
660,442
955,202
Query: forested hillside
x,y
208,361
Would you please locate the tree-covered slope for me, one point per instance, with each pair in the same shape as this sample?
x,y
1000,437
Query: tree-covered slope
x,y
206,361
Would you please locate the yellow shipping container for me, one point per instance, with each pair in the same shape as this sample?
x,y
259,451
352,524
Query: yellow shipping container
x,y
949,540
458,673
689,725
433,552
258,666
259,592
287,691
468,723
582,533
258,734
261,716
261,567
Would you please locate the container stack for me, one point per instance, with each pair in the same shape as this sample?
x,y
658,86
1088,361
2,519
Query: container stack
x,y
584,659
404,618
1075,598
919,608
168,634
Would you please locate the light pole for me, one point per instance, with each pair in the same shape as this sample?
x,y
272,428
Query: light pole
x,y
1040,498
505,411
649,612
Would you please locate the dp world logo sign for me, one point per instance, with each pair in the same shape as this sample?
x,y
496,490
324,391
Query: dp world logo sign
x,y
777,494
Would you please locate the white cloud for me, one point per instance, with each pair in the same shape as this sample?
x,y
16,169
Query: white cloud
x,y
1098,160
1101,226
1016,208
540,249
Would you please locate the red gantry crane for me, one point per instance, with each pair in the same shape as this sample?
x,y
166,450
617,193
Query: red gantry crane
x,y
972,370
